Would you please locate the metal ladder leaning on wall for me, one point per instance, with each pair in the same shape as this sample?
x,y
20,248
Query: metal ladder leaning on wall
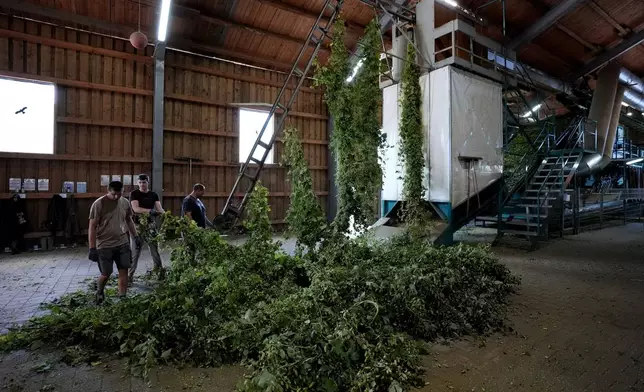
x,y
232,211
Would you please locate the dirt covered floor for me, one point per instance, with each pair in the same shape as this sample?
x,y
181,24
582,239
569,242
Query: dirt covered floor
x,y
577,325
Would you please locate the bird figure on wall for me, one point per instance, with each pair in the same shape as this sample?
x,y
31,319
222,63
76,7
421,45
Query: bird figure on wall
x,y
22,110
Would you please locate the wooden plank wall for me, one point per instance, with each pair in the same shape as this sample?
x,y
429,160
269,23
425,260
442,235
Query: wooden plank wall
x,y
104,118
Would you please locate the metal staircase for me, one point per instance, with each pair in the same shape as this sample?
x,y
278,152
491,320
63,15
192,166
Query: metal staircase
x,y
542,197
252,167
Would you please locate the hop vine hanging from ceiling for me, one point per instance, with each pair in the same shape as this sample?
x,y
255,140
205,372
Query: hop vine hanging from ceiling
x,y
357,137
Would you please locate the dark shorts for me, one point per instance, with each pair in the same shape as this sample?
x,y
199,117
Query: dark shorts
x,y
121,255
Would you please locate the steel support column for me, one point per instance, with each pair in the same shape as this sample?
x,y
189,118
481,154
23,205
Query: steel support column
x,y
157,121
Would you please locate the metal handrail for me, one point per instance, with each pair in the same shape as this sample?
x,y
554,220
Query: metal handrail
x,y
526,77
564,184
526,166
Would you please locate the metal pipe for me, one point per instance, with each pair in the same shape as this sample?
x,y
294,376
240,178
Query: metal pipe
x,y
633,95
609,143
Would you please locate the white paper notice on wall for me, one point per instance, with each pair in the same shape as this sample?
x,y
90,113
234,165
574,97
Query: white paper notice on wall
x,y
29,184
116,177
43,184
81,187
15,184
68,186
127,179
105,179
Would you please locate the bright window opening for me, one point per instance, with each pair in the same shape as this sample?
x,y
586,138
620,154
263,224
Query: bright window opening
x,y
26,116
250,124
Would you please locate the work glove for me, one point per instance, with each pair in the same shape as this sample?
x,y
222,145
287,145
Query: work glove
x,y
93,254
137,242
154,213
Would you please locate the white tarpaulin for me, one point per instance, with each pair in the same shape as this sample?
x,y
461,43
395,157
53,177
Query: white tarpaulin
x,y
392,184
477,131
439,135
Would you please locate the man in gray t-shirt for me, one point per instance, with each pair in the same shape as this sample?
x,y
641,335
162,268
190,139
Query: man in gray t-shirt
x,y
110,220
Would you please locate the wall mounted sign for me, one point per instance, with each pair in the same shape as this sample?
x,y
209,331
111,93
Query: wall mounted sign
x,y
29,184
68,186
127,179
81,187
105,180
43,184
15,184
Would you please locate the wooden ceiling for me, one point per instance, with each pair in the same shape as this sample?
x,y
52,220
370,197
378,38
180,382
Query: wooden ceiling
x,y
269,33
586,31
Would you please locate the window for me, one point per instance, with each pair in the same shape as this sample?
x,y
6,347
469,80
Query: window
x,y
493,56
250,124
26,116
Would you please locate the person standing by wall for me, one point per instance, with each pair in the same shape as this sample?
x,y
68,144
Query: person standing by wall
x,y
144,201
193,207
110,220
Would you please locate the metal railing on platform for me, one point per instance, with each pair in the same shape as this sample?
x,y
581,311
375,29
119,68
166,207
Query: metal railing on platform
x,y
596,210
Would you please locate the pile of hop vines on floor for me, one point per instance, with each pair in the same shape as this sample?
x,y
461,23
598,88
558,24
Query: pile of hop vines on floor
x,y
346,316
339,315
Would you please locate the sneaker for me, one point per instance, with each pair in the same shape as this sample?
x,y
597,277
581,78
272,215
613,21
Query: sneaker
x,y
100,298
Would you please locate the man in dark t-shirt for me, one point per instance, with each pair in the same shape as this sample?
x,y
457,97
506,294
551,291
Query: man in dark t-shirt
x,y
193,208
144,201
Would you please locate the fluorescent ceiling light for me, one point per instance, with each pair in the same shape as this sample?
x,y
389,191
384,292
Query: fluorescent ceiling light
x,y
629,113
163,20
529,113
451,3
634,161
624,104
355,71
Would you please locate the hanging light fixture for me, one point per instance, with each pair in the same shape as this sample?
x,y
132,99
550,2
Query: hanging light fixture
x,y
137,38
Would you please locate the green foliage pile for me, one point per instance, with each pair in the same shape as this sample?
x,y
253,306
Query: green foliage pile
x,y
357,138
411,138
347,315
344,317
305,217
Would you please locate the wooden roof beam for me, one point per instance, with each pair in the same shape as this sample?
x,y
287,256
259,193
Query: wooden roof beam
x,y
352,27
544,10
68,19
541,25
623,47
621,31
183,11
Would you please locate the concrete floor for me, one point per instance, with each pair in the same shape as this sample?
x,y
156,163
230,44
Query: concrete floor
x,y
578,325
